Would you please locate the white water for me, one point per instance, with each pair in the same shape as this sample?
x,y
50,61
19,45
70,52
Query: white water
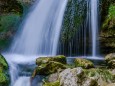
x,y
39,35
40,31
94,25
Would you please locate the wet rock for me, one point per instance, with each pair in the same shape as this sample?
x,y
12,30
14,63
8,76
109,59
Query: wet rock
x,y
110,60
49,68
44,60
80,62
4,78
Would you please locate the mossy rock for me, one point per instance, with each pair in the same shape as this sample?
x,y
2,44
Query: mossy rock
x,y
44,60
49,68
4,78
110,60
104,74
84,63
56,83
3,63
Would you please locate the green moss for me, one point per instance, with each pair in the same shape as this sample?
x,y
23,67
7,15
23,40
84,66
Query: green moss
x,y
4,78
112,11
3,63
56,83
49,68
103,73
79,62
44,60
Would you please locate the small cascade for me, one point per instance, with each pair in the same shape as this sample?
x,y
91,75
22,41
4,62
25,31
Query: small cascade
x,y
80,30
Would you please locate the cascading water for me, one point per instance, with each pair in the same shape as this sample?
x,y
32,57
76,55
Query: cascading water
x,y
94,25
41,29
39,35
81,36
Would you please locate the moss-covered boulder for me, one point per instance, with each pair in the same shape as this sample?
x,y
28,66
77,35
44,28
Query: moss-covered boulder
x,y
81,77
4,79
110,60
48,68
44,60
76,77
100,74
84,63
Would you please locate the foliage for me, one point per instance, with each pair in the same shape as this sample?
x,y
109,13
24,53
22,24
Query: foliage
x,y
7,21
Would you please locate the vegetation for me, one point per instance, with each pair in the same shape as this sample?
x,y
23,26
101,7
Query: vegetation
x,y
4,78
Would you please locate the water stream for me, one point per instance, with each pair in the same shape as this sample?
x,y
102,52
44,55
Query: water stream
x,y
94,25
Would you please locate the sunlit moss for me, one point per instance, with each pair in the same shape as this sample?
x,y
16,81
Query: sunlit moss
x,y
56,83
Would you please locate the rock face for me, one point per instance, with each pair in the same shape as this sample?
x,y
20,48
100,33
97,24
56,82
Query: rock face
x,y
80,62
110,60
4,79
107,32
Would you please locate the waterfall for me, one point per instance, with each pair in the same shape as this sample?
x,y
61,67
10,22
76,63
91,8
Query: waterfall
x,y
38,35
94,25
80,29
40,31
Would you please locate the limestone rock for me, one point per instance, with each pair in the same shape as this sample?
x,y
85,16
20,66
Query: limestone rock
x,y
80,62
44,60
49,68
110,60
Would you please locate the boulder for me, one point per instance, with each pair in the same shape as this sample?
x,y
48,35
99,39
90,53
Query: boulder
x,y
48,68
76,77
110,60
84,63
44,60
69,77
53,77
4,78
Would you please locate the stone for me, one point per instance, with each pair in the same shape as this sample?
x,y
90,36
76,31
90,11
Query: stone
x,y
44,60
110,60
84,63
49,68
71,77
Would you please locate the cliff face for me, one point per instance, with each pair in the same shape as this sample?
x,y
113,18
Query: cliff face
x,y
107,33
